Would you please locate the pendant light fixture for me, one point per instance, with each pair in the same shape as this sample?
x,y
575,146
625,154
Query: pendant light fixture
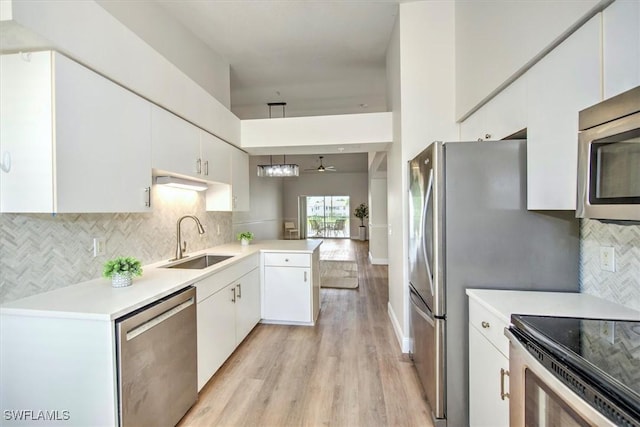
x,y
280,170
283,169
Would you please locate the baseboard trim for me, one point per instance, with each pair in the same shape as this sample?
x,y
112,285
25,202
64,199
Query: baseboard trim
x,y
404,342
378,261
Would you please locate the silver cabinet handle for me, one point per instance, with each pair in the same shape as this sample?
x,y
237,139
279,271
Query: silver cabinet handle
x,y
206,167
485,325
147,197
233,298
199,166
239,286
503,373
305,276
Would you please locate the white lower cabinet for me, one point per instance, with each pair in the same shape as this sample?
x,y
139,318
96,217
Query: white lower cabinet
x,y
291,288
287,294
226,316
487,380
216,332
488,369
247,304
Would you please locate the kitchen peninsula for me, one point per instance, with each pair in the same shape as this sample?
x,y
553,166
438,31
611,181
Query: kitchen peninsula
x,y
58,349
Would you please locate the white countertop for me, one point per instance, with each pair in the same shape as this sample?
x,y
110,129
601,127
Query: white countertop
x,y
563,304
97,300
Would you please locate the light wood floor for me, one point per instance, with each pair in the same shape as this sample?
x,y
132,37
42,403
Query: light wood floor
x,y
346,371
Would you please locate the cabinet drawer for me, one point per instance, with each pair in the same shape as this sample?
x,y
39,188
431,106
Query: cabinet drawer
x,y
211,284
287,259
489,325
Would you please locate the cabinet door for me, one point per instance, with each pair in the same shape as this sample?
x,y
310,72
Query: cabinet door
x,y
216,332
216,158
486,407
175,144
240,180
287,294
26,103
102,143
564,82
247,304
621,47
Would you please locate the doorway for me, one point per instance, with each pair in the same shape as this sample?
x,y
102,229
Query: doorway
x,y
327,217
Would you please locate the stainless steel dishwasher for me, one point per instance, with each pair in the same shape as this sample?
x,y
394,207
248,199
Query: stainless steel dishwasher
x,y
156,356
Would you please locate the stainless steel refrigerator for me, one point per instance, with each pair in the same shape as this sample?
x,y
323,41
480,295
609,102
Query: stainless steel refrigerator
x,y
469,228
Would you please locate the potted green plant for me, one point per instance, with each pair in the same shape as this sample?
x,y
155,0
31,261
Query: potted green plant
x,y
362,212
245,237
121,271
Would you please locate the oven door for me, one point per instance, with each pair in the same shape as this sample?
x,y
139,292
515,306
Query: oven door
x,y
538,398
608,172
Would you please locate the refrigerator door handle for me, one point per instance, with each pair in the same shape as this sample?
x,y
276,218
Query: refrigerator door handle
x,y
422,225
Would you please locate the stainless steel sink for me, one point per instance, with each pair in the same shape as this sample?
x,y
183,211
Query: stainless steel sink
x,y
199,262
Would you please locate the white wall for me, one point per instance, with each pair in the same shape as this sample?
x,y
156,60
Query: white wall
x,y
395,212
176,43
265,219
420,61
42,252
291,132
353,185
496,38
378,224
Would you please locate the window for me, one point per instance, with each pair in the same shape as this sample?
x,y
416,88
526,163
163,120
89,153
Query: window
x,y
328,216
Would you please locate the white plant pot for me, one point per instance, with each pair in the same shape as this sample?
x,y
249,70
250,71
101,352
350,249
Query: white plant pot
x,y
121,280
362,233
245,242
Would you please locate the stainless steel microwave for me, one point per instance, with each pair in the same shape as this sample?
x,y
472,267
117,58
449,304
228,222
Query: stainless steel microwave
x,y
609,159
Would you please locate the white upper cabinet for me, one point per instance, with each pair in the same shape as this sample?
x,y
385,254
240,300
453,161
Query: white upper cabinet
x,y
77,141
564,82
240,180
175,144
504,115
621,47
183,149
234,197
216,158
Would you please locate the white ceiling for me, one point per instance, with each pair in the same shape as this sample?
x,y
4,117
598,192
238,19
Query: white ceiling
x,y
321,57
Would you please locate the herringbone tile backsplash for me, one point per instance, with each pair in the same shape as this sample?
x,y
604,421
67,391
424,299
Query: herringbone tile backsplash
x,y
623,285
40,252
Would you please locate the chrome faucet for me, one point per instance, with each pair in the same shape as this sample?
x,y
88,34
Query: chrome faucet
x,y
179,248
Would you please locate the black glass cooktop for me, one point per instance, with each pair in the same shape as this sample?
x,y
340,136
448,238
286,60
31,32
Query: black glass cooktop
x,y
606,352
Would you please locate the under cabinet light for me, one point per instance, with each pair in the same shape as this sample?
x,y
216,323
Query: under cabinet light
x,y
185,184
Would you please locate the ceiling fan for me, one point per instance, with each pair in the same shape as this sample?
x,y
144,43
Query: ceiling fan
x,y
322,168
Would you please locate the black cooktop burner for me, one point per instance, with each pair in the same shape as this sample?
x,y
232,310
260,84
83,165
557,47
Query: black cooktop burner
x,y
605,352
